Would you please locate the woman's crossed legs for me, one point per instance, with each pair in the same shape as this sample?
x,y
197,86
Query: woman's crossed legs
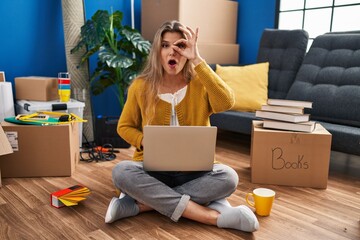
x,y
179,194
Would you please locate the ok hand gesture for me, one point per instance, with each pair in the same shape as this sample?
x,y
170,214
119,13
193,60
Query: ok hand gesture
x,y
187,46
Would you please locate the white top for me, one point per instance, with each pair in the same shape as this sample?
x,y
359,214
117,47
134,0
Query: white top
x,y
174,99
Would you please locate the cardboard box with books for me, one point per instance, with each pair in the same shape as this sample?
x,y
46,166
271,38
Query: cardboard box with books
x,y
40,151
286,115
290,158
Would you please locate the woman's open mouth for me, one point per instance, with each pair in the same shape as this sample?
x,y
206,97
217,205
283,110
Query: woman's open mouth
x,y
172,63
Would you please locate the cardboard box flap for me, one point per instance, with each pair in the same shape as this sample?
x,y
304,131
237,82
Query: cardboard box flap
x,y
5,147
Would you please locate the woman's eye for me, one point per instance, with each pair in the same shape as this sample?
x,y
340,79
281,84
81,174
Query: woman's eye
x,y
164,45
181,45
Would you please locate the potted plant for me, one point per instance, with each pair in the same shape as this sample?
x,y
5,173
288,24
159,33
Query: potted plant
x,y
121,52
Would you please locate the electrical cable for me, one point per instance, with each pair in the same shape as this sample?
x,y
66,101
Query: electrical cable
x,y
91,152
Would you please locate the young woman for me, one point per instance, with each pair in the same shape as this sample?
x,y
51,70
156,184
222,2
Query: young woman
x,y
177,87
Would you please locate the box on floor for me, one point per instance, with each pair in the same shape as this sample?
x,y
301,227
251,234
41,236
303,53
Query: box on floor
x,y
40,151
5,147
290,158
217,20
36,88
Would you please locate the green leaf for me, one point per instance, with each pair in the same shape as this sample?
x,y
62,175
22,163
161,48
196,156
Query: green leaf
x,y
139,43
117,18
129,75
114,60
93,32
88,54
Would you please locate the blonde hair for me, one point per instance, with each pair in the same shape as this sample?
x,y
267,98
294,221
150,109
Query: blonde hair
x,y
153,72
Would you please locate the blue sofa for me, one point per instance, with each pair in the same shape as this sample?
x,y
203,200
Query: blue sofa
x,y
327,75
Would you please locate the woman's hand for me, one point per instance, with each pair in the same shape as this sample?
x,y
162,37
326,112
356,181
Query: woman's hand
x,y
188,47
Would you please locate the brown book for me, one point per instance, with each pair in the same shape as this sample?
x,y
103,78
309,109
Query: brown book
x,y
299,127
283,109
283,116
289,103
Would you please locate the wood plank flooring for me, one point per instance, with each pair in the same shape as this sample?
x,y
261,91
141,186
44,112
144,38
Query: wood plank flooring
x,y
298,213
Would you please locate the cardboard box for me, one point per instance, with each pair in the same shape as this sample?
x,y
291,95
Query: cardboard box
x,y
40,151
219,53
36,88
216,19
73,106
5,147
2,76
290,158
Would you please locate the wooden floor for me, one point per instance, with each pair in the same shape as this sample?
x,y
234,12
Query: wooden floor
x,y
298,213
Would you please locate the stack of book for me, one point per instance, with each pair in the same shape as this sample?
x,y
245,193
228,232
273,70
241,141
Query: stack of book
x,y
286,115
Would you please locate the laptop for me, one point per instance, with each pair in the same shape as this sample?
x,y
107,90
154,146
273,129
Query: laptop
x,y
179,148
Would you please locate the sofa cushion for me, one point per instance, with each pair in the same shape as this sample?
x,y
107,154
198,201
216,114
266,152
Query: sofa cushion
x,y
284,50
330,78
249,83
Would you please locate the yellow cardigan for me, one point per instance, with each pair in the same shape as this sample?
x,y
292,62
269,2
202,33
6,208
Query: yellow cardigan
x,y
206,93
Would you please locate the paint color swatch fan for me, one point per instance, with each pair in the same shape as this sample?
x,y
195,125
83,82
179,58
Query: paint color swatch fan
x,y
69,196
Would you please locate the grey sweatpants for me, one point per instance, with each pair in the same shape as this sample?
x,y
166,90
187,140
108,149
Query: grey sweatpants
x,y
170,192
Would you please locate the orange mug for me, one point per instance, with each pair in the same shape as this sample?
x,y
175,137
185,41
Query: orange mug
x,y
263,199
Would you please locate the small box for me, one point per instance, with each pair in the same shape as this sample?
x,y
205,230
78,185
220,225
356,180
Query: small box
x,y
216,19
40,151
290,158
73,106
2,76
36,88
219,53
